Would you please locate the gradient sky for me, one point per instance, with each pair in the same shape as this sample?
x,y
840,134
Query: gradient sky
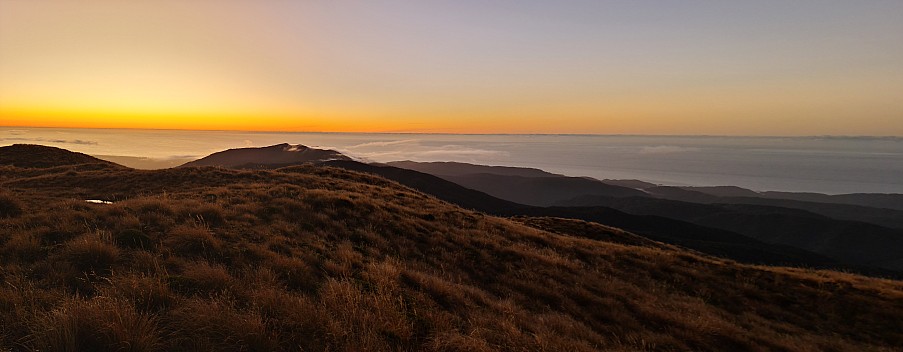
x,y
611,67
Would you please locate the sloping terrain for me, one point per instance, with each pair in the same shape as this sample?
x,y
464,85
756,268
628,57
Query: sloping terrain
x,y
846,241
874,200
540,191
879,216
877,209
432,185
520,185
861,246
145,163
717,242
37,156
889,201
319,258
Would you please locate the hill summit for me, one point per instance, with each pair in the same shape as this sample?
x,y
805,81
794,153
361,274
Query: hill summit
x,y
278,155
39,156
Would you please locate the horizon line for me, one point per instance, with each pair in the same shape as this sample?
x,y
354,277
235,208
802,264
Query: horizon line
x,y
475,134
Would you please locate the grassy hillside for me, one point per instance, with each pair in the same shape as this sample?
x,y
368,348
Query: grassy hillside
x,y
318,258
712,241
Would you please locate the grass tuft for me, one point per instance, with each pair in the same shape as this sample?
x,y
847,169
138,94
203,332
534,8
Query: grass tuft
x,y
10,206
133,238
99,324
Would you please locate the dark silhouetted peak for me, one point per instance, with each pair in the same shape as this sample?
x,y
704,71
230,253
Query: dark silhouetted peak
x,y
274,156
39,156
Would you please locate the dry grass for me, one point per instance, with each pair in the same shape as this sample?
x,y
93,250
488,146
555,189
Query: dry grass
x,y
9,206
98,324
323,259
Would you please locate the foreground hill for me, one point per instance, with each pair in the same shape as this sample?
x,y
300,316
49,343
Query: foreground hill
x,y
38,156
265,157
319,258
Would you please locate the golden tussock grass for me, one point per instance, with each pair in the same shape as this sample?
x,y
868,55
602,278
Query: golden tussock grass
x,y
315,258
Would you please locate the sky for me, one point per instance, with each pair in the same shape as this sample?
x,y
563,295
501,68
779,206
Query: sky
x,y
690,67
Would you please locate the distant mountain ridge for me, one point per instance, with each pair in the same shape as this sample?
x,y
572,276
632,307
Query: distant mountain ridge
x,y
846,241
440,188
686,193
522,185
540,191
804,225
886,217
507,183
280,154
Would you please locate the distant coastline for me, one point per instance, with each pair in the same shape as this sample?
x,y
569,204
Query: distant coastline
x,y
823,164
818,136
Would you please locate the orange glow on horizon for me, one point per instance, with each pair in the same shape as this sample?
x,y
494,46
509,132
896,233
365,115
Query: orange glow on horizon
x,y
368,67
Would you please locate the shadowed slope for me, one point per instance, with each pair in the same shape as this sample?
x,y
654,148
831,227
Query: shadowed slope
x,y
591,230
846,241
435,186
889,201
873,208
861,245
707,240
878,216
539,191
517,184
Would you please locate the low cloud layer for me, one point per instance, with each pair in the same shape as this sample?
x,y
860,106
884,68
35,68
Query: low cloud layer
x,y
47,140
666,149
417,150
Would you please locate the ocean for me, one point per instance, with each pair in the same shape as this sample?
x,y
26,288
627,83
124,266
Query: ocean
x,y
832,165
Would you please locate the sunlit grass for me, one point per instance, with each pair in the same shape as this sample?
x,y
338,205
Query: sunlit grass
x,y
327,259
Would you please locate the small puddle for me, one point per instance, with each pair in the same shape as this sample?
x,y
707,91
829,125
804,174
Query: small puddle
x,y
98,201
